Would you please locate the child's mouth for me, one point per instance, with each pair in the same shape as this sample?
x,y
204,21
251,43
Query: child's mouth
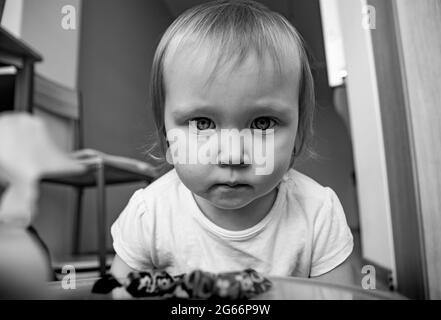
x,y
231,186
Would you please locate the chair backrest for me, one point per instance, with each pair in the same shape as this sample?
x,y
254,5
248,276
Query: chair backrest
x,y
60,101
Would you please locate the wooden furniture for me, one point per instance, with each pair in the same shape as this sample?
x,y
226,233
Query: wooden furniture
x,y
15,53
102,169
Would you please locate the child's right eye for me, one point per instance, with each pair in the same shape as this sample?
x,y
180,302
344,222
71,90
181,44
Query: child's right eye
x,y
202,124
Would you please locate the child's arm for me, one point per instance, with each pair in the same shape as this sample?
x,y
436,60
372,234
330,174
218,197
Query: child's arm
x,y
119,268
131,238
343,274
333,259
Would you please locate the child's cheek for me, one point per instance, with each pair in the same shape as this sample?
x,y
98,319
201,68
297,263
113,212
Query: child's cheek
x,y
194,177
208,149
185,145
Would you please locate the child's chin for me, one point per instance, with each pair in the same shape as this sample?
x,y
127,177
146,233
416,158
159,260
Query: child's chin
x,y
230,204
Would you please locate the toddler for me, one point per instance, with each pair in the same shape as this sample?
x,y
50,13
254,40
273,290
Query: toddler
x,y
224,68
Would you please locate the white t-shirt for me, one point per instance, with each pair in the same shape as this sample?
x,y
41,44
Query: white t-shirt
x,y
305,234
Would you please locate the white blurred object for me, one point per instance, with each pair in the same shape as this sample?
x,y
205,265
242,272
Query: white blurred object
x,y
335,57
24,267
26,153
12,16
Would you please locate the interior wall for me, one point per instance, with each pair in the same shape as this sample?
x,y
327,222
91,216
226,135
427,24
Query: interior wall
x,y
41,28
117,47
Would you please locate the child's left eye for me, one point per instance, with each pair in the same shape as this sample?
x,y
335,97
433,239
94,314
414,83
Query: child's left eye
x,y
263,123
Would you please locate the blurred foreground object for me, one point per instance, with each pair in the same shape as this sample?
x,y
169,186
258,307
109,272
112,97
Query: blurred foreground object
x,y
26,154
197,284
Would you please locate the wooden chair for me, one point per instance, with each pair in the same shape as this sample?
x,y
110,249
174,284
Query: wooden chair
x,y
102,169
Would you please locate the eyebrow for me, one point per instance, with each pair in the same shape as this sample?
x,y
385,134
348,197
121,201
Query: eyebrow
x,y
277,109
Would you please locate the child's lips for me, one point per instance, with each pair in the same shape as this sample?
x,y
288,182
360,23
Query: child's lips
x,y
231,186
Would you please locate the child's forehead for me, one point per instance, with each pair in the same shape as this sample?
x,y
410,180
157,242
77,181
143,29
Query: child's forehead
x,y
212,61
190,80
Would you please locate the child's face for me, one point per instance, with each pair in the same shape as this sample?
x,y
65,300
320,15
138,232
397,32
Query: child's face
x,y
237,98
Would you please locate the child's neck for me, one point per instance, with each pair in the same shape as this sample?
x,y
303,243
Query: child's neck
x,y
238,219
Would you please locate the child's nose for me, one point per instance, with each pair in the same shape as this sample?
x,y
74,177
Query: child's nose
x,y
235,160
234,152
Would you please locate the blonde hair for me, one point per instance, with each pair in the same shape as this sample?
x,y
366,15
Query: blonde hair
x,y
233,29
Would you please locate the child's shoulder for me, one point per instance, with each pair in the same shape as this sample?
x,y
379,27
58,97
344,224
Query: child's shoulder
x,y
162,194
307,191
165,184
304,185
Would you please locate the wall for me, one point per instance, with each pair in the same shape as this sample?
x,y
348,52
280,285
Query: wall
x,y
117,47
41,28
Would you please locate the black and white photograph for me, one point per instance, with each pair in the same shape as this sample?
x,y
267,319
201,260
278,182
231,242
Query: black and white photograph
x,y
135,163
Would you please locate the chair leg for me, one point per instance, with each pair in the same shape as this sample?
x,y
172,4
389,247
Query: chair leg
x,y
77,221
101,221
